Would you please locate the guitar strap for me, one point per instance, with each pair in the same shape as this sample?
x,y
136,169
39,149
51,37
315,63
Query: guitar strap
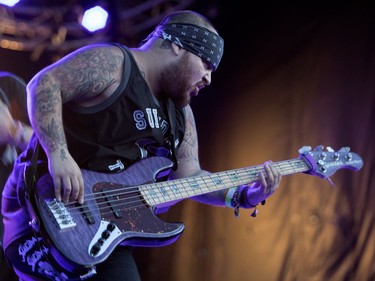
x,y
172,139
30,176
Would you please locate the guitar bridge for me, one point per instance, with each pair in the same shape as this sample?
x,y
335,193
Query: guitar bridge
x,y
63,218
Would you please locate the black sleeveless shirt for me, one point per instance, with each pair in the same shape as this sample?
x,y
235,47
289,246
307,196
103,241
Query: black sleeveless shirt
x,y
109,137
127,127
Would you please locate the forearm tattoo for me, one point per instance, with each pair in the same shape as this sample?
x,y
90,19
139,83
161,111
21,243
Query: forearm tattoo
x,y
47,114
189,147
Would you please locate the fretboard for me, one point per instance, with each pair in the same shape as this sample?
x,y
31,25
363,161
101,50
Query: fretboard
x,y
167,191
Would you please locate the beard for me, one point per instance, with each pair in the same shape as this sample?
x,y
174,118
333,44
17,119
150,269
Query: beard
x,y
174,82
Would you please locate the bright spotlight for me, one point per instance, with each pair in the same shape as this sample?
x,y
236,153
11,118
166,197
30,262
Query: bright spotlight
x,y
9,3
94,19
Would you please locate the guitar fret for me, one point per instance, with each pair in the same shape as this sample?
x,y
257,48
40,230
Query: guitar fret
x,y
162,189
292,166
253,173
175,190
237,177
193,184
168,191
216,180
233,176
148,190
204,186
184,192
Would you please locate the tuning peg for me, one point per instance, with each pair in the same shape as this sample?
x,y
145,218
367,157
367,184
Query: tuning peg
x,y
319,148
344,149
349,156
330,149
304,149
336,156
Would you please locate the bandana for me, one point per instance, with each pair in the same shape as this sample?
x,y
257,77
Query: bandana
x,y
198,40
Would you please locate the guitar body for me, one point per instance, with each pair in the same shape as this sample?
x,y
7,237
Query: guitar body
x,y
114,212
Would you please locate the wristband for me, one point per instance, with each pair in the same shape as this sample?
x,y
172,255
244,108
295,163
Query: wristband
x,y
237,198
231,200
229,197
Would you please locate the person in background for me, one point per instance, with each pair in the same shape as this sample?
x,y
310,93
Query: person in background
x,y
15,133
108,107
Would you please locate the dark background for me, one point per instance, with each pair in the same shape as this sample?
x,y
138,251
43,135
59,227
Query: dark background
x,y
291,75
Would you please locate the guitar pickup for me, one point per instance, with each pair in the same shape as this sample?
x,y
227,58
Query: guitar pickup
x,y
86,213
110,200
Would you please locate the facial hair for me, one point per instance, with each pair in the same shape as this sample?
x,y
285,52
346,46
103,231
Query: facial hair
x,y
174,81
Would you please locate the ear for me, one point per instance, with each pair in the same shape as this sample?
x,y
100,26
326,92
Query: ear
x,y
175,49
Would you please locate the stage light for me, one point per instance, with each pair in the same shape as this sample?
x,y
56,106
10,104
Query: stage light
x,y
9,3
94,19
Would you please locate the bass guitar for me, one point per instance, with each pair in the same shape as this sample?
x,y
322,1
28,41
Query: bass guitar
x,y
120,208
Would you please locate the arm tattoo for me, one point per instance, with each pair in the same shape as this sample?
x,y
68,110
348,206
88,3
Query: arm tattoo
x,y
189,147
82,75
89,73
63,154
45,110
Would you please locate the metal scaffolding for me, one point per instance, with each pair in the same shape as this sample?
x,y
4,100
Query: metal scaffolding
x,y
39,26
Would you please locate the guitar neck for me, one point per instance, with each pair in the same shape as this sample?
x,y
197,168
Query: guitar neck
x,y
168,191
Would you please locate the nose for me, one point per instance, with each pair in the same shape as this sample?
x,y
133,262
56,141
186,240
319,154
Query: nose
x,y
207,78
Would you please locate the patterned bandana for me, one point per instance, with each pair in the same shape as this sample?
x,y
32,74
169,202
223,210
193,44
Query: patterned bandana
x,y
195,39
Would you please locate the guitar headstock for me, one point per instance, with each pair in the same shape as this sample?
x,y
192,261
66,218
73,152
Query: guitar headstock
x,y
325,163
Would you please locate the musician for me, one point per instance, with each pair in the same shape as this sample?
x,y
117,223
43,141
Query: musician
x,y
15,132
104,108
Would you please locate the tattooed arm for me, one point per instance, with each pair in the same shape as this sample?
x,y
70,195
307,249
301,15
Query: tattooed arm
x,y
86,77
188,161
